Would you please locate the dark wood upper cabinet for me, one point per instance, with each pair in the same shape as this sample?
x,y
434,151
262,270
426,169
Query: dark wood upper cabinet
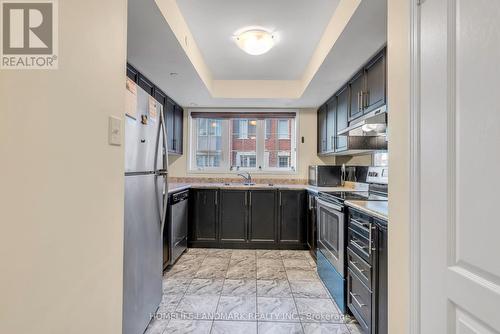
x,y
233,215
322,133
342,117
356,89
263,216
203,215
178,129
147,85
169,118
375,92
365,92
160,96
132,73
174,114
331,121
292,222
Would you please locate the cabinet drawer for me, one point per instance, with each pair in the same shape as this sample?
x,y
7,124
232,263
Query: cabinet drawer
x,y
359,217
359,301
362,269
359,244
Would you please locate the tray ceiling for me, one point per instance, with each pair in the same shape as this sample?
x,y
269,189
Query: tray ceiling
x,y
296,24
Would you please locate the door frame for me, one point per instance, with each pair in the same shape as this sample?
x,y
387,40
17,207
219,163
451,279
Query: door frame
x,y
415,162
412,301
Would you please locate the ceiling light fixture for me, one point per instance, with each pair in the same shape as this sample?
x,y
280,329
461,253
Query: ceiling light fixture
x,y
255,41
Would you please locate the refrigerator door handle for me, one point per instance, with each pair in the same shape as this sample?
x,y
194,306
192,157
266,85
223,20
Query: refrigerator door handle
x,y
165,167
163,127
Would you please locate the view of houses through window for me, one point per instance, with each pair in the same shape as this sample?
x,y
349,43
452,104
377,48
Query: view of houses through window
x,y
240,143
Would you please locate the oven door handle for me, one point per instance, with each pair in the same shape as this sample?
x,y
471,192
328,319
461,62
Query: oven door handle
x,y
329,205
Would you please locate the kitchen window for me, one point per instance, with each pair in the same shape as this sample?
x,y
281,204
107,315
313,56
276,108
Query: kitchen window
x,y
250,142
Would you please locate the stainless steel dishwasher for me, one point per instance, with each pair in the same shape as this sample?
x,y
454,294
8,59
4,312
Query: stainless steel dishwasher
x,y
175,231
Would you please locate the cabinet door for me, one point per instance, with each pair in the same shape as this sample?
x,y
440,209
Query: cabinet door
x,y
178,130
292,204
342,118
203,212
356,89
331,120
375,94
169,119
145,84
132,73
233,215
322,129
263,216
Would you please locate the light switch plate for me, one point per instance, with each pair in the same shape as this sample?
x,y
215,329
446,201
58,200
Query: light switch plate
x,y
114,131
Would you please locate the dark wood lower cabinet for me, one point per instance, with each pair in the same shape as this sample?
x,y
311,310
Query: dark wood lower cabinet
x,y
292,217
263,217
203,216
233,216
311,229
248,219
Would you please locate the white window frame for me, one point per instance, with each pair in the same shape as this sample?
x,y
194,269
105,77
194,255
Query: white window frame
x,y
225,163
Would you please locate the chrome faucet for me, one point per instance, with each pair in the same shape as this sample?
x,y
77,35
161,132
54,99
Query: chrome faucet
x,y
247,177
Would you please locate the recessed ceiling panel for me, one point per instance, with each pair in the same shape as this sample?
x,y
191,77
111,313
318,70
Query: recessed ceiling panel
x,y
296,24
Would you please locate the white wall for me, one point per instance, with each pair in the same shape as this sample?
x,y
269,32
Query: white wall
x,y
61,193
398,56
307,128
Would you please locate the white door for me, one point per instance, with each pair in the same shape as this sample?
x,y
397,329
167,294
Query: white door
x,y
460,166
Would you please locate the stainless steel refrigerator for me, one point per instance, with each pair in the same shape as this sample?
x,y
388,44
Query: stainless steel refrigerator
x,y
145,208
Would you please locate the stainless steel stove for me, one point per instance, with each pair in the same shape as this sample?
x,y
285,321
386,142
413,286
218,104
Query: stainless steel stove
x,y
331,252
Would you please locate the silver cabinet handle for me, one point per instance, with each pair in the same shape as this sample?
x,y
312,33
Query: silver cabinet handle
x,y
370,229
280,198
355,242
250,198
354,264
359,224
353,295
215,198
359,247
246,194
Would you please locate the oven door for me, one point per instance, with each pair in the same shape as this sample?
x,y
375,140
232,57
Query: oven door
x,y
331,233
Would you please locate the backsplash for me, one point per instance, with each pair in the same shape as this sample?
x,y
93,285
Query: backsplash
x,y
257,180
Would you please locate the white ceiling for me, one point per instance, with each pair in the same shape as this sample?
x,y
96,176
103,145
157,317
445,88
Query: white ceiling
x,y
296,24
156,52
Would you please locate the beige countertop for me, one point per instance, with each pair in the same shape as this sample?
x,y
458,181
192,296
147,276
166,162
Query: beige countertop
x,y
175,187
377,209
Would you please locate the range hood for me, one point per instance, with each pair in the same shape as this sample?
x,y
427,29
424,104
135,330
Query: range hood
x,y
373,124
357,145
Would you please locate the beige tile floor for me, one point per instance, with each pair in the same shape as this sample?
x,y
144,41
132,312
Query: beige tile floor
x,y
247,291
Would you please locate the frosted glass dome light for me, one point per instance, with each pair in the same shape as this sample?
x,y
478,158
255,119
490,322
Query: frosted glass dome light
x,y
255,41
